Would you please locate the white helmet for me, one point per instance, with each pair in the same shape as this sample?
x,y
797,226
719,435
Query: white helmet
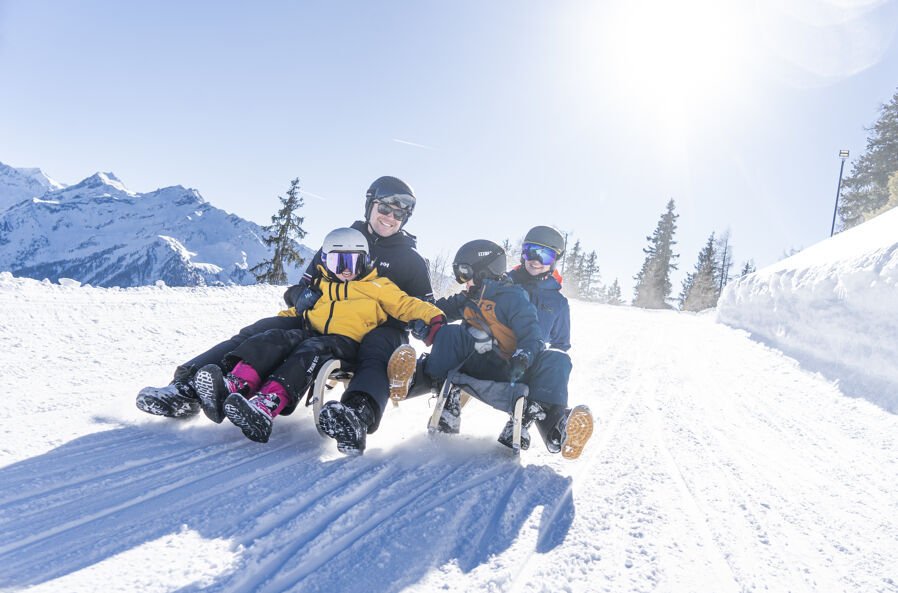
x,y
345,249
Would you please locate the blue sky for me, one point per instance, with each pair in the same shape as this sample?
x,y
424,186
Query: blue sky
x,y
502,115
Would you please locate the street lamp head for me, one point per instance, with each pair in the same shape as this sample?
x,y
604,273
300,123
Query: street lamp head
x,y
843,154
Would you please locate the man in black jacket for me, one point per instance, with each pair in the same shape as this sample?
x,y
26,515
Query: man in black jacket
x,y
389,203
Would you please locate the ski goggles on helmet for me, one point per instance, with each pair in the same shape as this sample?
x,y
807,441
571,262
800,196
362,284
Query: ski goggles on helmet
x,y
463,272
342,261
400,213
534,251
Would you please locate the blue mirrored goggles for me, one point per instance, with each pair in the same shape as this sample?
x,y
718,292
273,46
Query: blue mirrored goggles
x,y
341,261
544,255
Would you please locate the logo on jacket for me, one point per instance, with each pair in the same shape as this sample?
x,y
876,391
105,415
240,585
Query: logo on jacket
x,y
487,306
383,264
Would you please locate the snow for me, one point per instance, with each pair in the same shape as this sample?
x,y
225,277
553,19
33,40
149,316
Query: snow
x,y
718,464
833,307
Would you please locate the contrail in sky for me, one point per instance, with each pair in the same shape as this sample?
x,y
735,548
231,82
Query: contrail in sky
x,y
308,193
413,144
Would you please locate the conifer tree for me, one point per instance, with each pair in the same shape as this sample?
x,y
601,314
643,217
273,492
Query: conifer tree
x,y
653,281
893,198
700,288
865,189
613,296
747,268
284,232
590,287
724,256
573,270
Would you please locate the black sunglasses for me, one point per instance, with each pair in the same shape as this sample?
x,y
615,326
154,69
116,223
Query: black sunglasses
x,y
399,214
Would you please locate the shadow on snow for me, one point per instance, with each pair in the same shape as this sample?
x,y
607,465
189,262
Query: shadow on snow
x,y
377,522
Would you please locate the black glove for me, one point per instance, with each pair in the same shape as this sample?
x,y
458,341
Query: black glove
x,y
306,299
518,365
418,328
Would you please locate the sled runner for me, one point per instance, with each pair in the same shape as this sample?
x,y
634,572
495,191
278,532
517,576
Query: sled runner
x,y
329,375
502,396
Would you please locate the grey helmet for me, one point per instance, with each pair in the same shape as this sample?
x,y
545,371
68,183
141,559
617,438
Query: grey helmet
x,y
392,191
338,247
546,236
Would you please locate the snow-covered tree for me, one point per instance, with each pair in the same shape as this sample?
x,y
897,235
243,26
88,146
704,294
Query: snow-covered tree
x,y
723,253
865,190
613,296
590,287
701,287
653,281
747,268
284,232
572,270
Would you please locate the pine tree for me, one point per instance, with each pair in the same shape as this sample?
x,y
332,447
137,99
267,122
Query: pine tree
x,y
613,296
724,256
590,287
866,190
653,281
893,198
700,288
747,268
284,232
573,270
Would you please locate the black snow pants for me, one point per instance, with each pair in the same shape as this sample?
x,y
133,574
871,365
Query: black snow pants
x,y
217,353
291,357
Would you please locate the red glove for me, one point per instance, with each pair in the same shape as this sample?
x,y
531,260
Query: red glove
x,y
435,324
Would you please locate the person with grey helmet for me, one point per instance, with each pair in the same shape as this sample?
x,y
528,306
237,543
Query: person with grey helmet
x,y
542,248
499,340
389,203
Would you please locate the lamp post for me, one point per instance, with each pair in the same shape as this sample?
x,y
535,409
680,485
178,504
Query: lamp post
x,y
843,154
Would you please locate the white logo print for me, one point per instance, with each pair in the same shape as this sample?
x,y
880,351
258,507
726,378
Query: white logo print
x,y
483,253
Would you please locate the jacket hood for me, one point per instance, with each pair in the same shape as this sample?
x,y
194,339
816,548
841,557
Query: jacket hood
x,y
551,282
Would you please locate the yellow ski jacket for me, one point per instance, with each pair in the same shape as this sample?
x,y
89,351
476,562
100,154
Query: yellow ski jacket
x,y
354,308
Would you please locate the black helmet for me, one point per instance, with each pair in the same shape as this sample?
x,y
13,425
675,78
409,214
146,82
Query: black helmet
x,y
392,191
477,260
538,238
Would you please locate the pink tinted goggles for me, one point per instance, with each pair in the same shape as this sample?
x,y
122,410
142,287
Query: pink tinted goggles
x,y
341,261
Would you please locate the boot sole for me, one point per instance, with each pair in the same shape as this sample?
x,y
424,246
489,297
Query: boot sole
x,y
335,427
400,370
208,385
578,429
151,405
248,418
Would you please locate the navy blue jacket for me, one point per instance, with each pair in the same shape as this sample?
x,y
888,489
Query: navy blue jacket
x,y
501,301
551,306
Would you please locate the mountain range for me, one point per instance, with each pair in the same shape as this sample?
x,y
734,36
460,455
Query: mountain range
x,y
100,233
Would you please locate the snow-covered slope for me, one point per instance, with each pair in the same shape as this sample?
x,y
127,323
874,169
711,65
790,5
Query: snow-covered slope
x,y
99,232
717,464
833,306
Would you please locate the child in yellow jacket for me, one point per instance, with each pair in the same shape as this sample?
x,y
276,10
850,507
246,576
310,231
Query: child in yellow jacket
x,y
354,300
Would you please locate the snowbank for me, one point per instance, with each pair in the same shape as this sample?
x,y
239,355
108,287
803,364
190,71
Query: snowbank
x,y
833,307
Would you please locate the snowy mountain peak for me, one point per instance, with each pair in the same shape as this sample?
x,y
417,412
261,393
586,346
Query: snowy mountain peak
x,y
17,184
105,179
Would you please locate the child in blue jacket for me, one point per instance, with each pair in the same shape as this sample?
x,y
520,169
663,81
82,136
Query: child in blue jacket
x,y
501,340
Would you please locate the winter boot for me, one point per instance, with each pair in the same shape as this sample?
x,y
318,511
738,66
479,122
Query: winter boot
x,y
175,400
254,416
570,434
532,411
347,424
213,388
450,417
400,370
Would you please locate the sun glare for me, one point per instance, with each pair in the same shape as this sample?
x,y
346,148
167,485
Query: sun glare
x,y
679,57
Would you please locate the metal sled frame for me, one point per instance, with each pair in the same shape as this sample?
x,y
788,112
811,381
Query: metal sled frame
x,y
455,379
330,373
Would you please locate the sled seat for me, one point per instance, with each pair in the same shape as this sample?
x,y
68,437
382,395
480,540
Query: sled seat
x,y
503,396
329,375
